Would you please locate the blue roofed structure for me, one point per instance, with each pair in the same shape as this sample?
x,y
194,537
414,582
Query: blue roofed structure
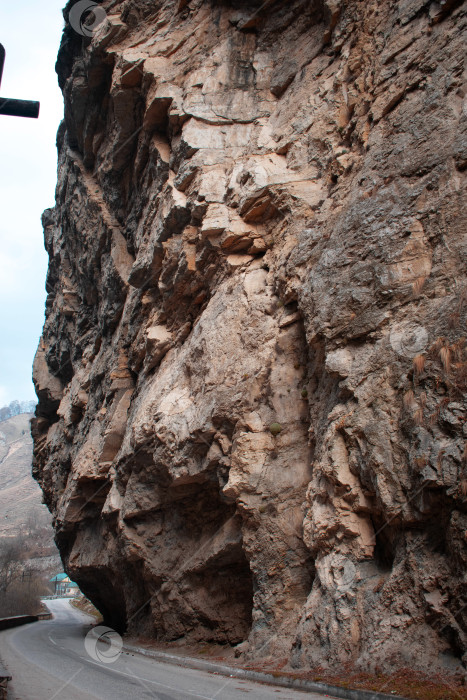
x,y
64,585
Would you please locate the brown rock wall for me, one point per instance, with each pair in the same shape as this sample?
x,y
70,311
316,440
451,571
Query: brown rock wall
x,y
252,372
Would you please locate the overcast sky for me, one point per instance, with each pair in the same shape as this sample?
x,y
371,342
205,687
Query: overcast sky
x,y
30,31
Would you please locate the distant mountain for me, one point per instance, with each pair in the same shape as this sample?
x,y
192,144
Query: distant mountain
x,y
15,408
21,507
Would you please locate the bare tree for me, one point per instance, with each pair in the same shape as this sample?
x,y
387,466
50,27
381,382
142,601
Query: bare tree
x,y
10,562
21,585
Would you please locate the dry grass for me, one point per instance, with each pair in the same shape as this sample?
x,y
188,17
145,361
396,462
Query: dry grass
x,y
453,359
23,597
419,364
411,405
437,345
409,400
445,357
407,683
418,416
87,607
418,286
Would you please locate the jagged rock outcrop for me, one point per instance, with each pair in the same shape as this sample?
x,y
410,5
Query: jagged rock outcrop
x,y
252,372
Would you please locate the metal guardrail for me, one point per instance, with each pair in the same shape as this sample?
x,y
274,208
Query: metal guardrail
x,y
17,620
7,623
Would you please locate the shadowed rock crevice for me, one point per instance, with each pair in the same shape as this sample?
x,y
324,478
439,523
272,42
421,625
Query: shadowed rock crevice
x,y
99,586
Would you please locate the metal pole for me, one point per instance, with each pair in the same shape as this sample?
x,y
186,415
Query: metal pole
x,y
19,108
16,108
2,61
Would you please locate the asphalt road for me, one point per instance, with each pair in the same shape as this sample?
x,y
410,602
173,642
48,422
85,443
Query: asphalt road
x,y
48,660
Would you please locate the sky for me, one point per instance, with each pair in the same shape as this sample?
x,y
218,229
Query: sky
x,y
30,31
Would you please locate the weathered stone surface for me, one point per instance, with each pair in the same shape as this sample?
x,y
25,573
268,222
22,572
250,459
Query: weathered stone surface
x,y
252,374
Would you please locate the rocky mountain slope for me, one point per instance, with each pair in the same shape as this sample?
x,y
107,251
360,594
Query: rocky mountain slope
x,y
21,508
252,374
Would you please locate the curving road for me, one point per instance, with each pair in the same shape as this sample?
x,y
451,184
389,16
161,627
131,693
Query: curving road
x,y
48,660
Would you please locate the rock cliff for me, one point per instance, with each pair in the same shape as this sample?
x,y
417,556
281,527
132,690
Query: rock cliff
x,y
252,374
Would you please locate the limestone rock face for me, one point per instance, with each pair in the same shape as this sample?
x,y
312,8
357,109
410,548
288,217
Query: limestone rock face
x,y
252,373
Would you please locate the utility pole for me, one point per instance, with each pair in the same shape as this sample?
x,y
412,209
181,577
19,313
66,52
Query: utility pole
x,y
16,108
